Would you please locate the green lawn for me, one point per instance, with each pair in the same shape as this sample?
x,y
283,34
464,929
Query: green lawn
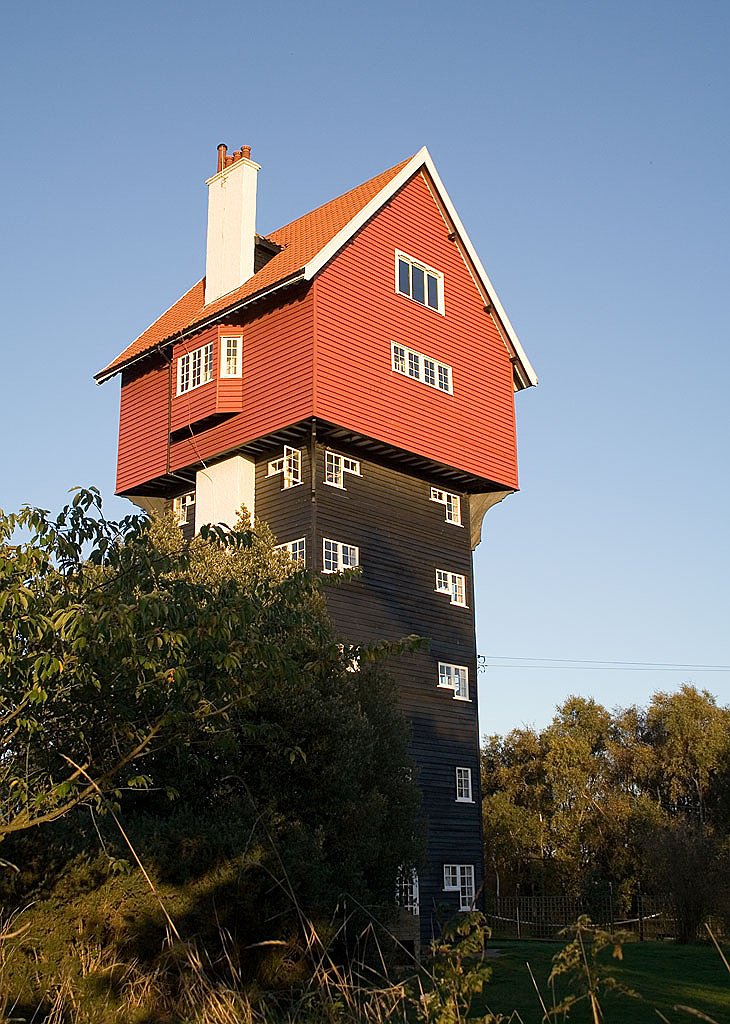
x,y
665,976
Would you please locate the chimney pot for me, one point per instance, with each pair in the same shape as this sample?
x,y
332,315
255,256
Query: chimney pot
x,y
222,148
246,152
228,161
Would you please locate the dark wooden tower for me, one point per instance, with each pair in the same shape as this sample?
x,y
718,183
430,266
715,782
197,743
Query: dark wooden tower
x,y
350,377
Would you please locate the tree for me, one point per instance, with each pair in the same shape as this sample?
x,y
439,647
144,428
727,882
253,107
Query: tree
x,y
200,687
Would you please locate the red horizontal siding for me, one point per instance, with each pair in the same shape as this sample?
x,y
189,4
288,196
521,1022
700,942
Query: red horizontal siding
x,y
276,384
359,314
142,423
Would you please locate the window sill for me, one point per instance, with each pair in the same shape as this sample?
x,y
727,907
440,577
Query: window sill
x,y
331,483
464,700
462,800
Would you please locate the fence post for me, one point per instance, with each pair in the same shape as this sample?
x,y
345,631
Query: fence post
x,y
610,906
517,901
640,910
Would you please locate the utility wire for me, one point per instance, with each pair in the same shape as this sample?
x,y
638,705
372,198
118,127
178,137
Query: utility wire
x,y
504,661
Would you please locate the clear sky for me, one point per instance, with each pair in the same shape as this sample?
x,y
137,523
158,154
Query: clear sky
x,y
586,148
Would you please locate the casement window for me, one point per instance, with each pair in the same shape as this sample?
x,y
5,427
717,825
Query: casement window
x,y
453,584
407,895
231,356
290,465
418,282
463,786
423,368
183,508
335,467
451,502
296,549
460,878
337,556
455,678
195,368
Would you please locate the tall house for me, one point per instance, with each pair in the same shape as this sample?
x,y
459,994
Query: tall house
x,y
350,377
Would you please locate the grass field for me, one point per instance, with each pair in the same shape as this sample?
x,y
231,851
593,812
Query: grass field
x,y
666,977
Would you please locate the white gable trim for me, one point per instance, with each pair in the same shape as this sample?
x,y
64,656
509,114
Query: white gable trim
x,y
423,159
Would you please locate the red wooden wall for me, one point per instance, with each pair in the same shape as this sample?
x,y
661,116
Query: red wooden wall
x,y
327,352
359,314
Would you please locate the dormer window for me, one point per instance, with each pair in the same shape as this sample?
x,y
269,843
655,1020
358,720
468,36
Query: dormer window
x,y
231,356
418,282
195,368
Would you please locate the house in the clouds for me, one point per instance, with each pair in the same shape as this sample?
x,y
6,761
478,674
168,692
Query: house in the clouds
x,y
350,378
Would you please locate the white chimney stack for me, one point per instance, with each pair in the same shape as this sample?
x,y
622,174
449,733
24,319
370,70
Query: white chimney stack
x,y
231,223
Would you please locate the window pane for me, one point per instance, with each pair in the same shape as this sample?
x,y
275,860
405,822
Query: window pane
x,y
433,291
403,282
399,358
414,365
429,372
418,285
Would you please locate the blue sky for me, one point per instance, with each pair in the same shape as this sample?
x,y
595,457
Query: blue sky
x,y
585,146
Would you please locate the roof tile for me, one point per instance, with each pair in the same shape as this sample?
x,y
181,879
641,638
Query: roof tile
x,y
302,239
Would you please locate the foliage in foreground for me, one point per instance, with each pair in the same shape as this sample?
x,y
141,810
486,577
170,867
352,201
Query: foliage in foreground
x,y
189,983
198,692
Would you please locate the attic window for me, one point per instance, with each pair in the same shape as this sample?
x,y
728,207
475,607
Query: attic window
x,y
418,282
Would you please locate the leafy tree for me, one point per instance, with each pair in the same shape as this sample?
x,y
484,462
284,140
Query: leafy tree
x,y
637,795
201,689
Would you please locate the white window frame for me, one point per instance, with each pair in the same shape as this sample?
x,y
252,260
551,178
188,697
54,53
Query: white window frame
x,y
451,503
226,372
425,369
194,368
335,467
453,584
428,272
289,464
407,895
181,505
460,878
346,556
464,792
296,549
454,678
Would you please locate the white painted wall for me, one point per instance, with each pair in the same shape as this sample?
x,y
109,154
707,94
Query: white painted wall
x,y
231,228
220,490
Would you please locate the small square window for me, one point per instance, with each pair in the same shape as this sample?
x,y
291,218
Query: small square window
x,y
296,549
337,556
452,583
460,878
290,465
451,503
455,678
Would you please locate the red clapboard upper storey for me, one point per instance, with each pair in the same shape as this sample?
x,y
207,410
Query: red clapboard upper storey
x,y
401,338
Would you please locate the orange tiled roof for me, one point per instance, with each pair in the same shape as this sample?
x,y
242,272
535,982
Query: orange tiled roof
x,y
301,241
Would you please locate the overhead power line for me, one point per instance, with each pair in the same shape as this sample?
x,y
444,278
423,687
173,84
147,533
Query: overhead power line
x,y
576,664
